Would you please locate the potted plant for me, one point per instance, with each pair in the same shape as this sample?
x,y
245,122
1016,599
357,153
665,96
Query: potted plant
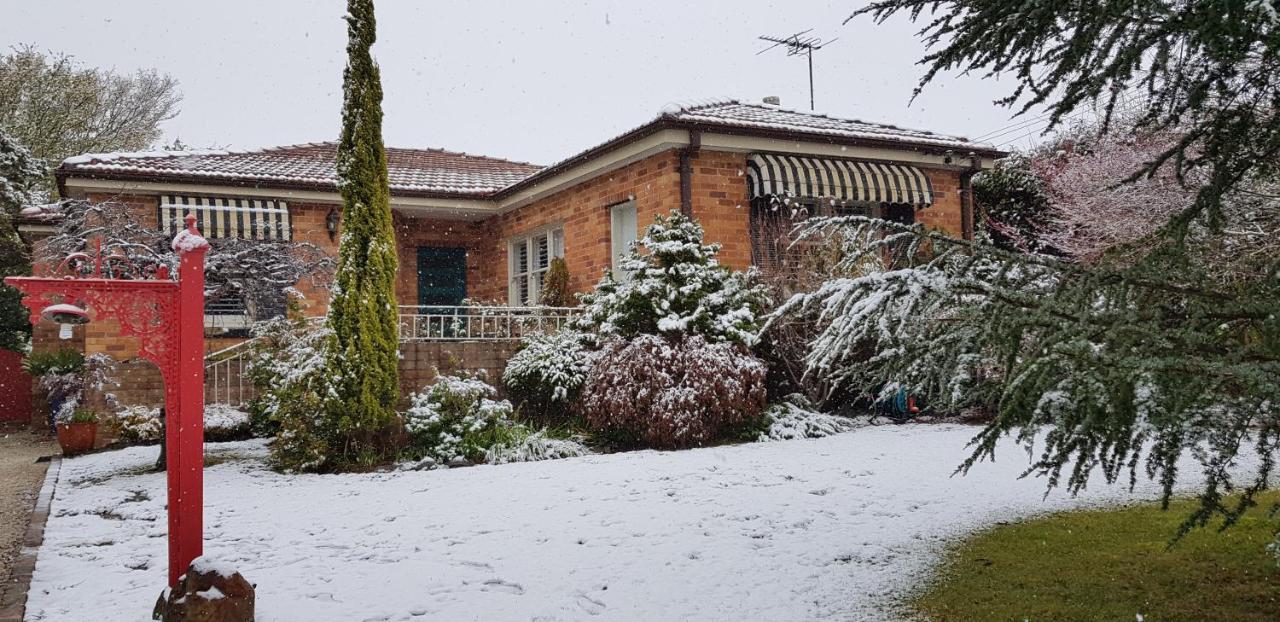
x,y
66,377
77,434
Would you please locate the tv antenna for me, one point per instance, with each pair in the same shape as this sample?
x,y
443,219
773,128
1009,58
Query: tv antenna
x,y
797,44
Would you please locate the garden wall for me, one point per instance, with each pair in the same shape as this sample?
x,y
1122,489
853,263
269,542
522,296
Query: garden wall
x,y
141,384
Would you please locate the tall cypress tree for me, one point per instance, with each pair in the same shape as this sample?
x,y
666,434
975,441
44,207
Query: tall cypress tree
x,y
362,355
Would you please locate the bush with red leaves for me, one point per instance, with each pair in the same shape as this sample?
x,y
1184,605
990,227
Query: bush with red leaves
x,y
668,393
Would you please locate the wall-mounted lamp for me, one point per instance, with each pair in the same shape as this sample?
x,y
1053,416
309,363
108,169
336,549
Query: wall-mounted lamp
x,y
331,223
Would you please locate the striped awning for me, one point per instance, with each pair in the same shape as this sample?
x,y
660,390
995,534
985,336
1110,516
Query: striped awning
x,y
220,217
846,180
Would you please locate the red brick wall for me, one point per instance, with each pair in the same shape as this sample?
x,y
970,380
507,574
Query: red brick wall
x,y
720,203
653,182
413,232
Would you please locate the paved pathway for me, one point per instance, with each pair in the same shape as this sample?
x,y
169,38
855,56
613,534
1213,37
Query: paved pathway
x,y
20,477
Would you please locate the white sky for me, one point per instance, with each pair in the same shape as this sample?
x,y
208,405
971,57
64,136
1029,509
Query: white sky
x,y
534,81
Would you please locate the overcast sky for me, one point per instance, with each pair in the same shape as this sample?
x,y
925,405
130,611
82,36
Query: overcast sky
x,y
533,81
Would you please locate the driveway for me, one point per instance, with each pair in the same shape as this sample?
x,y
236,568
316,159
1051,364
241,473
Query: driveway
x,y
20,478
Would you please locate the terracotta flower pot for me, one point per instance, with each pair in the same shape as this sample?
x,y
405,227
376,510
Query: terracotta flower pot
x,y
77,438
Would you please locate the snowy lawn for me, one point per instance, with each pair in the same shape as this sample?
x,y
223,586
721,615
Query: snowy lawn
x,y
811,529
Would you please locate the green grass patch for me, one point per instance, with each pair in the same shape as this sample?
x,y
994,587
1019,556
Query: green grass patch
x,y
1110,565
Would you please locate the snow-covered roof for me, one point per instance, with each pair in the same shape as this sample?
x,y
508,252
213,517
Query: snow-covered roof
x,y
434,171
742,115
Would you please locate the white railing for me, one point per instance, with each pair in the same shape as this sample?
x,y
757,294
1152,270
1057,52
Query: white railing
x,y
480,323
225,372
226,378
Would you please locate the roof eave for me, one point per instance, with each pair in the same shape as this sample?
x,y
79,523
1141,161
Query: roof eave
x,y
62,173
836,139
669,123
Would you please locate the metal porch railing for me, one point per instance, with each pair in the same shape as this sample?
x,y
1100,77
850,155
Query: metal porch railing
x,y
226,371
480,323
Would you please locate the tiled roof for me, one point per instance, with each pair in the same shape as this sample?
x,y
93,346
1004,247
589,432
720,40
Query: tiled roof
x,y
434,171
736,114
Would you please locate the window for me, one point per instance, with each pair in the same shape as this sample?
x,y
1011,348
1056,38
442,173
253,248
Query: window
x,y
529,259
623,230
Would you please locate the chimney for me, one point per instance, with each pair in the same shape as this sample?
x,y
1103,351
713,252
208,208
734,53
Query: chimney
x,y
773,100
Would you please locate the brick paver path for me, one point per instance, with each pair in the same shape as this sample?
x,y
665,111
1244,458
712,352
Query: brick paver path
x,y
20,479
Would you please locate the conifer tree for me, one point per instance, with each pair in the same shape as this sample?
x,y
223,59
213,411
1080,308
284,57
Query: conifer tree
x,y
362,355
21,176
674,286
1123,367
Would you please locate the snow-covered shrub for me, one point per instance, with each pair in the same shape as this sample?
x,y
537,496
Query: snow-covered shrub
x,y
285,354
286,368
545,377
675,288
142,424
138,424
796,417
223,422
660,392
529,446
457,418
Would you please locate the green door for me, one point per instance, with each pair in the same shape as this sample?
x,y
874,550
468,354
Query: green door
x,y
442,277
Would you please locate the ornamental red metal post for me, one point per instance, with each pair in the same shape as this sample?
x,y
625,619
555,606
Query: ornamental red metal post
x,y
184,426
168,320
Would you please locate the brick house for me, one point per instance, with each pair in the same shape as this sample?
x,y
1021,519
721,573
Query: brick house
x,y
484,229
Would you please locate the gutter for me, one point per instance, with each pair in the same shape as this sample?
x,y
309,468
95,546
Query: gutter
x,y
686,172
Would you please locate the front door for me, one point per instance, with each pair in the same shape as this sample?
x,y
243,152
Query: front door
x,y
442,277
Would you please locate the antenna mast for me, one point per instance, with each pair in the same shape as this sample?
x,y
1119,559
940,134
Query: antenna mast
x,y
797,44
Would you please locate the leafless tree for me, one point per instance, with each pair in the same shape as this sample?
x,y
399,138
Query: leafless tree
x,y
58,107
258,271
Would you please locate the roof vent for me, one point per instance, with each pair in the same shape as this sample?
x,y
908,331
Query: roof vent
x,y
773,100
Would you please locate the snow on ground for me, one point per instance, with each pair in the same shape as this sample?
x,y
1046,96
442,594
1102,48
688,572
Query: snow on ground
x,y
830,528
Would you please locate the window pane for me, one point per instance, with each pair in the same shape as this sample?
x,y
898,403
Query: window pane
x,y
521,249
623,231
557,243
542,252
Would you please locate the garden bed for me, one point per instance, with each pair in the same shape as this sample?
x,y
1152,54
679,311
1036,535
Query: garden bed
x,y
835,527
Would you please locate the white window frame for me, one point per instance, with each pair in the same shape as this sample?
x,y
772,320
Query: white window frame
x,y
618,244
529,280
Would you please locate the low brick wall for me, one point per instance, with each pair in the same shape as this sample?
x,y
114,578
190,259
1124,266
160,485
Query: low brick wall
x,y
140,383
421,359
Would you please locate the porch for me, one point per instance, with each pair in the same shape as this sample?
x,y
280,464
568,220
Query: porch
x,y
475,338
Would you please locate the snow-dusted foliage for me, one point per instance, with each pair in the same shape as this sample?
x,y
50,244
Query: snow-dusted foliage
x,y
67,377
287,370
533,446
660,392
1091,367
675,287
142,424
21,178
21,175
457,418
545,377
796,417
138,424
362,353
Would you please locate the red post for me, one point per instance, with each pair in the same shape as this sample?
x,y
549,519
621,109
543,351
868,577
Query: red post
x,y
184,432
168,320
